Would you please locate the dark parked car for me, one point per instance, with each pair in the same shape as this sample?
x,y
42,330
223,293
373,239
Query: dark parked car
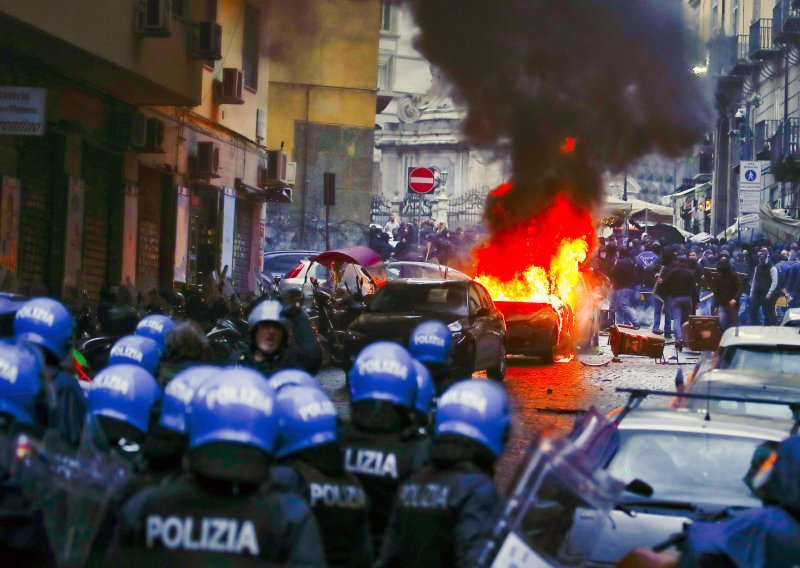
x,y
279,262
478,328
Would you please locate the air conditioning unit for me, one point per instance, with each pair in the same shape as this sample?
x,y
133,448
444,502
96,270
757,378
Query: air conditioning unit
x,y
206,41
276,166
155,135
205,164
137,133
152,18
229,90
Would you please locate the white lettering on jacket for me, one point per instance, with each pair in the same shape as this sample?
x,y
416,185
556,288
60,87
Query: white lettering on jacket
x,y
371,462
334,495
244,396
464,398
112,382
8,372
428,339
126,351
388,366
36,313
209,534
428,496
316,409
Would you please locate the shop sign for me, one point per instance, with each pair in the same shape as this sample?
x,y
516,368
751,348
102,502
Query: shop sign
x,y
22,111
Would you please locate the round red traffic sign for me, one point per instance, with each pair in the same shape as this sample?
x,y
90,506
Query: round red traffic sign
x,y
421,180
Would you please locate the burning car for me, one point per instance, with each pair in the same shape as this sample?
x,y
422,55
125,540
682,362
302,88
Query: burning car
x,y
541,329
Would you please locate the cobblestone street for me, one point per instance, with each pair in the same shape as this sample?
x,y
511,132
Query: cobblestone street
x,y
546,395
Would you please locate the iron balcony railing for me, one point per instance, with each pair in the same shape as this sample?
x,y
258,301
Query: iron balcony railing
x,y
761,45
785,21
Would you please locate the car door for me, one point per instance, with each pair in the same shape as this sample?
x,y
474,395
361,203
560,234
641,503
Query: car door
x,y
495,325
484,352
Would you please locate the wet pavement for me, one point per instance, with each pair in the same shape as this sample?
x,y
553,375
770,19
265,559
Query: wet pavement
x,y
547,396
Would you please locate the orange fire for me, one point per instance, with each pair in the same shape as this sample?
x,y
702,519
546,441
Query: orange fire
x,y
541,260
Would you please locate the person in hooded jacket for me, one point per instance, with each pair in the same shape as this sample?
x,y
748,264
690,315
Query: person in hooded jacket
x,y
443,514
46,324
311,464
222,513
380,446
280,338
727,288
25,409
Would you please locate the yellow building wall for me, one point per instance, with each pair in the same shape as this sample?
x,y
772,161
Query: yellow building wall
x,y
323,65
105,29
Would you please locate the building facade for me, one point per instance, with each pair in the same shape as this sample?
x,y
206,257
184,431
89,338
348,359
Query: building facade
x,y
753,65
148,147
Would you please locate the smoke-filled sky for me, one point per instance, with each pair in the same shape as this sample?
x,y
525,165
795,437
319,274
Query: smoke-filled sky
x,y
614,75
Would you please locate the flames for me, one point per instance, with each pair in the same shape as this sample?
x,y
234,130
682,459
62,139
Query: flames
x,y
540,260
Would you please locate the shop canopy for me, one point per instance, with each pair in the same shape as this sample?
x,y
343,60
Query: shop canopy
x,y
637,210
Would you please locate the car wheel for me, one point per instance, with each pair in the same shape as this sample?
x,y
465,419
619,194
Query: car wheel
x,y
549,353
498,372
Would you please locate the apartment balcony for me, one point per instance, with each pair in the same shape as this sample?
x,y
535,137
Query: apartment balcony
x,y
763,138
761,46
785,22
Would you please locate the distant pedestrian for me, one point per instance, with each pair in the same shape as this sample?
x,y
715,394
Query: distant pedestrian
x,y
764,290
623,279
682,289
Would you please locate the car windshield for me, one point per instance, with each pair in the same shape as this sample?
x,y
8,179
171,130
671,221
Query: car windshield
x,y
692,467
450,300
747,408
774,359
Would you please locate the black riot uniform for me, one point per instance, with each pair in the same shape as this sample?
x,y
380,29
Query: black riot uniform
x,y
382,461
339,503
199,522
441,518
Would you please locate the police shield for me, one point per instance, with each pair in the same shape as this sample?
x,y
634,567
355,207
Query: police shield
x,y
559,483
72,488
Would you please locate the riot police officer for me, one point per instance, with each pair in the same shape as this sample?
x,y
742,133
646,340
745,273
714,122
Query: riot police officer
x,y
442,515
312,465
168,440
46,323
219,514
431,344
280,338
378,446
136,350
25,405
157,327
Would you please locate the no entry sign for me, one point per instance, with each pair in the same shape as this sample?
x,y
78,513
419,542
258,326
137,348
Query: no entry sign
x,y
421,180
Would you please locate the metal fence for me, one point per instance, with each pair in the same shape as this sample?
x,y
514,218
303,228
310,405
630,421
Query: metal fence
x,y
466,211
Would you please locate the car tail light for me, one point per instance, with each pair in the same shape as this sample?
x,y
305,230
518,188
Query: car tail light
x,y
294,271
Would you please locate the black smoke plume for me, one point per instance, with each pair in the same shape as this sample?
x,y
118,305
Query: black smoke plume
x,y
612,75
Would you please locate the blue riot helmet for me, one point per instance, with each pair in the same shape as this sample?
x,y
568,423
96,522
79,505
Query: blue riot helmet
x,y
237,406
292,377
178,395
46,323
384,371
431,342
156,327
136,350
126,394
477,410
20,382
307,419
425,389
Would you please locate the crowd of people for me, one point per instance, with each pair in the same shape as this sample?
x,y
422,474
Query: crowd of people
x,y
427,241
248,462
742,284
